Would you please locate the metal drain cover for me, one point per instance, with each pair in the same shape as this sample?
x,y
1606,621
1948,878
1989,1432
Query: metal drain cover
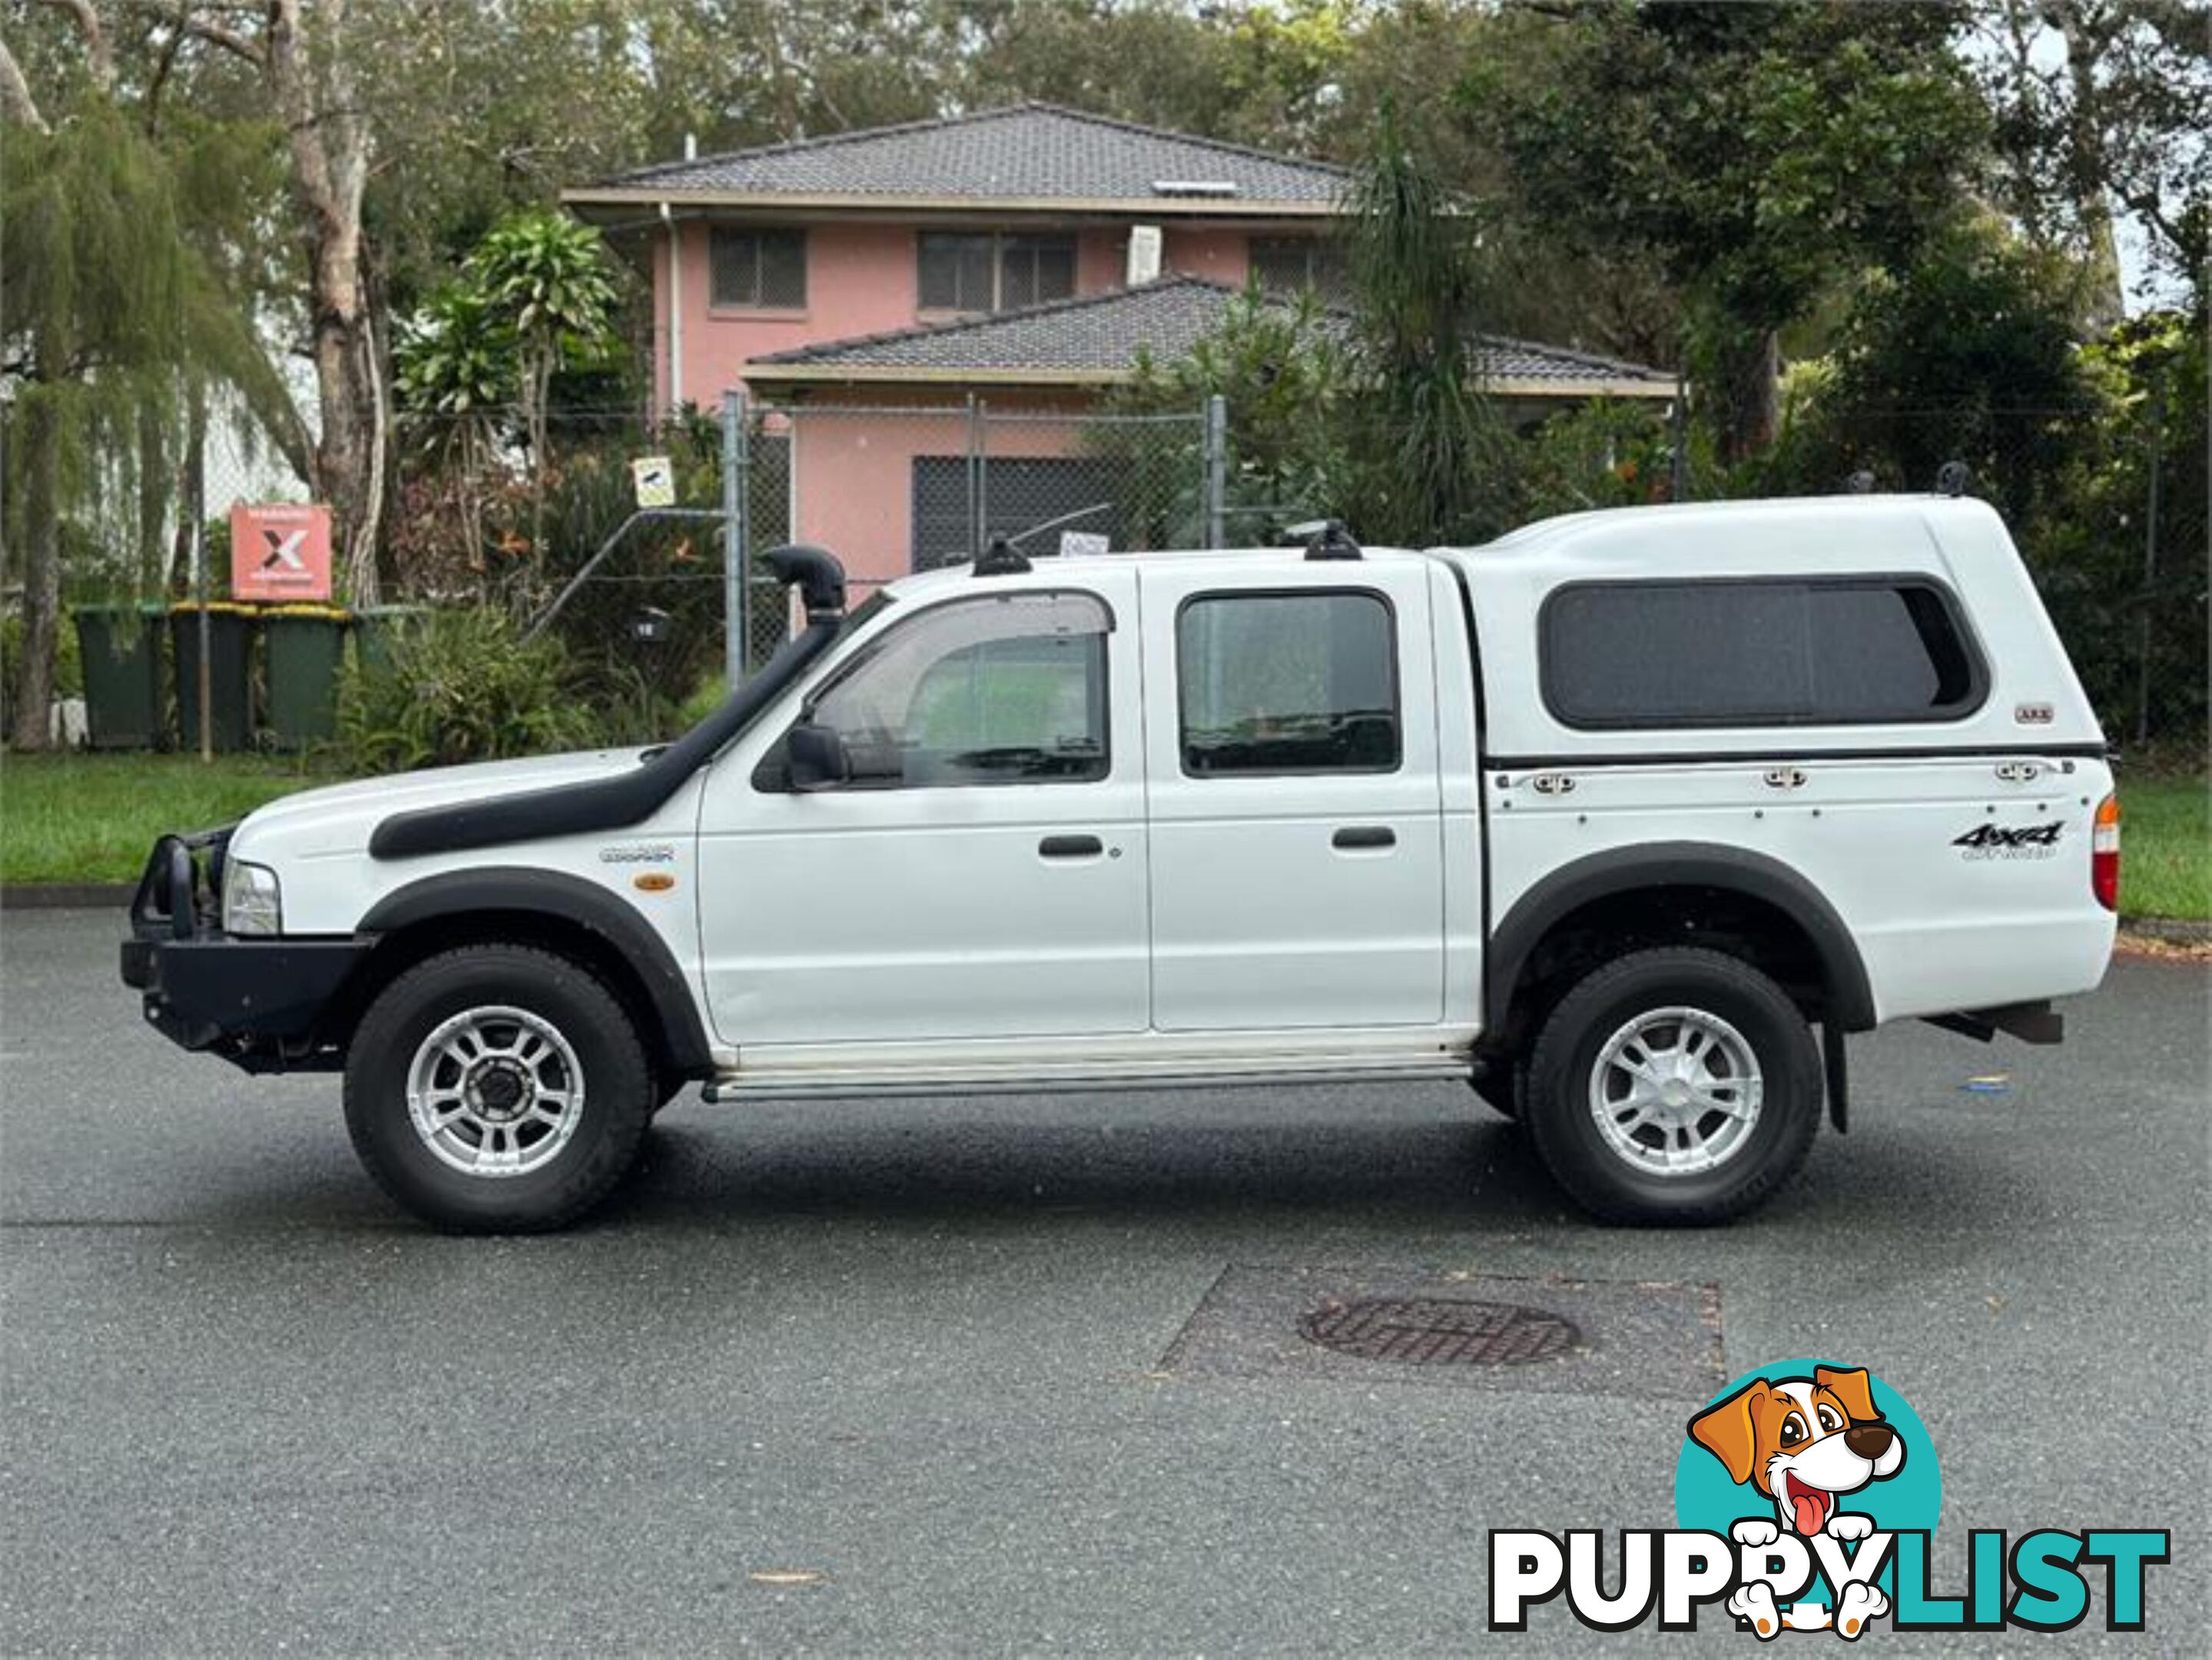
x,y
1461,1329
1439,1331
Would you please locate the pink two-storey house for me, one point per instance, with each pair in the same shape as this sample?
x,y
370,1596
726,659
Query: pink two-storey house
x,y
1017,256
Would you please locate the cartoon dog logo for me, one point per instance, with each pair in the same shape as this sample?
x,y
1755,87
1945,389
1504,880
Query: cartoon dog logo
x,y
1803,1443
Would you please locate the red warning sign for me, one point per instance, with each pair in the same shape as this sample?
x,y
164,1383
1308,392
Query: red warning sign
x,y
280,551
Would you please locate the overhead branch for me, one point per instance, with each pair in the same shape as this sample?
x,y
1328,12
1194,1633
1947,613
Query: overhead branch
x,y
185,19
98,57
16,104
159,83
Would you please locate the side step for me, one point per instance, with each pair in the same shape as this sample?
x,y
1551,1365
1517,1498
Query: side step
x,y
814,1084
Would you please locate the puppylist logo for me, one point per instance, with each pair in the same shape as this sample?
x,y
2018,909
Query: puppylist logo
x,y
1807,1495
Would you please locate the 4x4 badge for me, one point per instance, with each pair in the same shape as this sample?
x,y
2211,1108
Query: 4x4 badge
x,y
2010,841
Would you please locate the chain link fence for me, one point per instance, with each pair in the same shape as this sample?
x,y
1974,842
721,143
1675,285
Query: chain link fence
x,y
2110,515
659,594
896,489
653,603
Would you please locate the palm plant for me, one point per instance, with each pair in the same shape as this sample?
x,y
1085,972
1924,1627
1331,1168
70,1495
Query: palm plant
x,y
1433,462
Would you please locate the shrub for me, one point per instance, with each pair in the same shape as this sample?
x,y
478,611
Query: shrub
x,y
459,685
706,697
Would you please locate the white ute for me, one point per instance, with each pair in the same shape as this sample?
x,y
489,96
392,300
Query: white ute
x,y
1605,818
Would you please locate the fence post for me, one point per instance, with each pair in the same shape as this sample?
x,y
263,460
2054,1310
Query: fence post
x,y
2150,558
1216,472
1678,442
973,474
982,430
196,504
737,601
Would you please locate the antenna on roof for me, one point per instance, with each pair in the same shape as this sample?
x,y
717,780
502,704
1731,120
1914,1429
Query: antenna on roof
x,y
1951,479
1004,556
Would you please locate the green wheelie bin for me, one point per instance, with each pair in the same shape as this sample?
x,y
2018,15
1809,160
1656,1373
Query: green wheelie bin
x,y
119,646
230,663
303,647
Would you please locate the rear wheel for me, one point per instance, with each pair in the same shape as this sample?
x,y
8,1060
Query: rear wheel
x,y
497,1089
1674,1086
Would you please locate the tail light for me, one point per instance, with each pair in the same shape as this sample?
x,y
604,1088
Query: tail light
x,y
2105,853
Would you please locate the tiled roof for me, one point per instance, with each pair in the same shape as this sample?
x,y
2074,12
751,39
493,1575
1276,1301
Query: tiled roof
x,y
1098,336
1026,152
1096,331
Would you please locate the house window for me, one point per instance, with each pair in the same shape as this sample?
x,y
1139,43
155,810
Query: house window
x,y
1289,265
1761,652
1287,683
760,270
983,271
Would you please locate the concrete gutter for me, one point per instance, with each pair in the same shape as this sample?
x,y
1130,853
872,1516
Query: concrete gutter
x,y
66,895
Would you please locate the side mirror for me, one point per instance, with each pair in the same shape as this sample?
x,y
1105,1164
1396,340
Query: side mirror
x,y
816,757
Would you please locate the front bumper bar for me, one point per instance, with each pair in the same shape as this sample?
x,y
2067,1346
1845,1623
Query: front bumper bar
x,y
256,1002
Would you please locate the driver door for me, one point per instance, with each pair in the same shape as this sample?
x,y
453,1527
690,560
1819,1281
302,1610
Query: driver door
x,y
981,874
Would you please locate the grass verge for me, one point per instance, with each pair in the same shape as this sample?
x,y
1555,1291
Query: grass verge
x,y
94,817
2165,847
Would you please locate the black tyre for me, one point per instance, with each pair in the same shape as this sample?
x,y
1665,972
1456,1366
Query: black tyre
x,y
1674,1086
497,1089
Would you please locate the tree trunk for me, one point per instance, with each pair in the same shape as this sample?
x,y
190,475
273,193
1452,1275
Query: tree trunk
x,y
1750,394
154,487
349,453
310,82
42,574
191,483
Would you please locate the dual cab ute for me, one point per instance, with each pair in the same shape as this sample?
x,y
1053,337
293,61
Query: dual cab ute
x,y
1604,819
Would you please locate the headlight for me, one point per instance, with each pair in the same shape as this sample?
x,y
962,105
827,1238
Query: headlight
x,y
251,901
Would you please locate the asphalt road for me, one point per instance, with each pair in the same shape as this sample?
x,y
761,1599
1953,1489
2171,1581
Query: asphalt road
x,y
917,1349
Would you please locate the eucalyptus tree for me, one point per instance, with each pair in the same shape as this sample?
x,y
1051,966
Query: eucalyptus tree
x,y
2104,109
1759,153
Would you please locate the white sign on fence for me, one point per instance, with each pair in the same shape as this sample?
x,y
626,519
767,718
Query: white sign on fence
x,y
1074,544
654,478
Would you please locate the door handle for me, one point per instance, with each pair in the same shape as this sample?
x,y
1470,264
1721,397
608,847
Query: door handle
x,y
1071,846
1364,836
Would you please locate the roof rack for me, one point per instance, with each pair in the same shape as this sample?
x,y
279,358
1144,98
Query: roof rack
x,y
1002,558
1325,538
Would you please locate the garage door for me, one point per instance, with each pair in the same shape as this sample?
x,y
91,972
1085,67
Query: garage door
x,y
1015,494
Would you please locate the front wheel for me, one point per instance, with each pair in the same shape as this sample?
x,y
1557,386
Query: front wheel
x,y
1674,1086
497,1089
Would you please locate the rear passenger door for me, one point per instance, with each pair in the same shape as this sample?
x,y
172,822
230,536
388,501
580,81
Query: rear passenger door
x,y
1294,814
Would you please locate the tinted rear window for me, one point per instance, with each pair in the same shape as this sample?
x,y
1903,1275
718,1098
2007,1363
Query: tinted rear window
x,y
1781,653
